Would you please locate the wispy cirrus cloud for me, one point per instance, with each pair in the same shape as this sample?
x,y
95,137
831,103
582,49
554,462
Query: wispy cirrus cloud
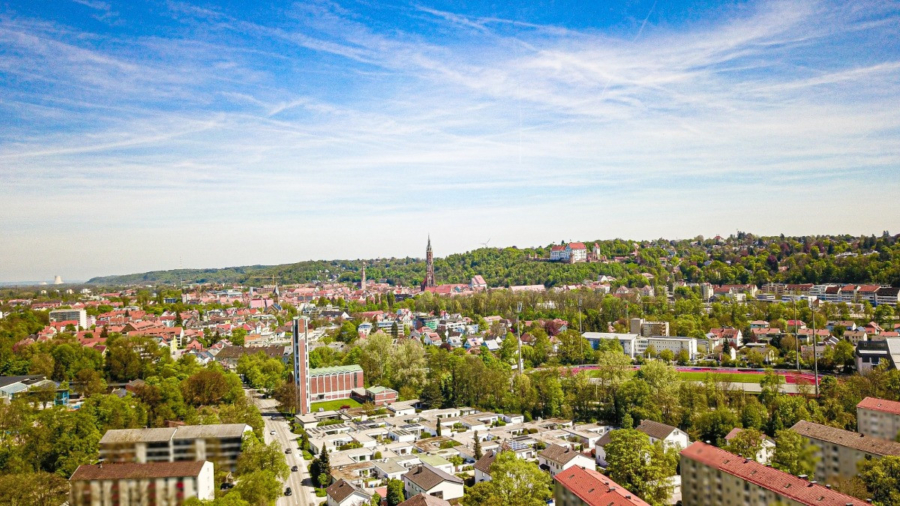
x,y
473,124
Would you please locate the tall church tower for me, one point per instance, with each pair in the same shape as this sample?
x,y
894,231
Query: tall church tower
x,y
362,284
429,267
301,363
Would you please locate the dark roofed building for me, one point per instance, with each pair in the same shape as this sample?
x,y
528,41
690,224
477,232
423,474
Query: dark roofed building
x,y
483,466
556,458
343,493
432,481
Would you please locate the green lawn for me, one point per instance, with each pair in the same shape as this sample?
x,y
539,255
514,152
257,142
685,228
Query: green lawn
x,y
334,405
729,377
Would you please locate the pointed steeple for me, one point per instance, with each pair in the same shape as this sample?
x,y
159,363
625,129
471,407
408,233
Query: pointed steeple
x,y
429,243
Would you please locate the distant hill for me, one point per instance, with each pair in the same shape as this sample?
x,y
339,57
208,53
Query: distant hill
x,y
739,259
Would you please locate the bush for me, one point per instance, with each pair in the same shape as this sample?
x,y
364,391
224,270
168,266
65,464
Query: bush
x,y
320,492
307,455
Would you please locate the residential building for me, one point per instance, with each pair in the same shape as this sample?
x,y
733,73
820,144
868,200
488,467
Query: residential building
x,y
425,479
647,328
674,344
424,500
628,341
483,466
151,484
840,450
220,444
887,295
586,487
869,354
343,493
766,451
77,316
556,459
878,418
12,387
671,437
710,475
572,252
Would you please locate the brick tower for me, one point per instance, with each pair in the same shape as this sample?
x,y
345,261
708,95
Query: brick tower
x,y
429,267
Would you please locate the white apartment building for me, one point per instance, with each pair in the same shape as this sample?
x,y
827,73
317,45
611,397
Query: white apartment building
x,y
65,315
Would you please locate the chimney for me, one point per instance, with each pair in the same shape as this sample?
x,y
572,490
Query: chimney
x,y
802,476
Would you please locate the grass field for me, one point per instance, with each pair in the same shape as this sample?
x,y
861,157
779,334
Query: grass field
x,y
334,405
729,377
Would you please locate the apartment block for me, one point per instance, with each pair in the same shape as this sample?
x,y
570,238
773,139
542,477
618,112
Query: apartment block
x,y
840,450
585,487
70,315
152,484
710,475
220,444
878,418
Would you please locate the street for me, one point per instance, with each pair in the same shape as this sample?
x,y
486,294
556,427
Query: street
x,y
302,496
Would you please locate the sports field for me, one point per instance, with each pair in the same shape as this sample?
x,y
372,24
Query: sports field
x,y
722,377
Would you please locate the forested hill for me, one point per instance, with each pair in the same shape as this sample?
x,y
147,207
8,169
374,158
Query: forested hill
x,y
739,259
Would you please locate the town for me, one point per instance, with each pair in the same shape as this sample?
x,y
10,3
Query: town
x,y
672,392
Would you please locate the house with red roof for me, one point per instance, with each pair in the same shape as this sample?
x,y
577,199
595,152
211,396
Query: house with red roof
x,y
585,486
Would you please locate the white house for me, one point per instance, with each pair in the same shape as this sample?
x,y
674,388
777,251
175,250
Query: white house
x,y
483,466
429,480
672,437
628,341
342,493
556,459
766,452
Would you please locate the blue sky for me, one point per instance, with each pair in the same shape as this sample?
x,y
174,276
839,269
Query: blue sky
x,y
140,136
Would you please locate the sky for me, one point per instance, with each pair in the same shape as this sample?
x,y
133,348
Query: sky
x,y
140,136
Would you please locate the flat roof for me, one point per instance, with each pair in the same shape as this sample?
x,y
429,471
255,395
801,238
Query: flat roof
x,y
335,370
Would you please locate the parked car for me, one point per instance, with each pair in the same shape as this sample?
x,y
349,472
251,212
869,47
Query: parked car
x,y
272,432
288,491
294,469
288,450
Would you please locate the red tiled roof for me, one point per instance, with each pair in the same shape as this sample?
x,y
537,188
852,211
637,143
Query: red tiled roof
x,y
780,482
883,405
576,245
596,489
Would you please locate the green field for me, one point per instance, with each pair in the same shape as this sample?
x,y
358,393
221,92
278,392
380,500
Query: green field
x,y
334,405
727,377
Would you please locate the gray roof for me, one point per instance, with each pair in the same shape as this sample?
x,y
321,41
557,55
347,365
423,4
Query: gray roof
x,y
120,436
211,431
840,437
225,430
427,477
559,454
655,430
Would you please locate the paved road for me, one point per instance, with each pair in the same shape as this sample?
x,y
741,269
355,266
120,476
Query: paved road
x,y
302,496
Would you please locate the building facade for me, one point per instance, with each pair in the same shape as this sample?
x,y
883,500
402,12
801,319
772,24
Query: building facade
x,y
710,475
152,484
838,451
878,418
70,315
219,444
